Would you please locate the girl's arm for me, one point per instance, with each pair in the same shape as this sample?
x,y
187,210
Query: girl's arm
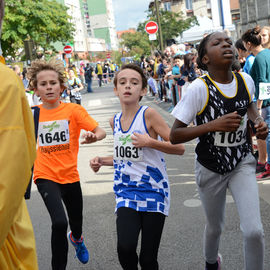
x,y
156,126
260,125
144,140
181,133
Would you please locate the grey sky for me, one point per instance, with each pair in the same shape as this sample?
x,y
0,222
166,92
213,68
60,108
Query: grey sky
x,y
128,13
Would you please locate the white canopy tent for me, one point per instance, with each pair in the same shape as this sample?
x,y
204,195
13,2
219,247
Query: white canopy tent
x,y
195,33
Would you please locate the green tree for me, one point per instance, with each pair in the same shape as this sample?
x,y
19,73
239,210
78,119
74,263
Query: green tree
x,y
172,23
136,42
43,21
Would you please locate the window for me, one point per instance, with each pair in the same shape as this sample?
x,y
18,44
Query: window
x,y
189,4
167,6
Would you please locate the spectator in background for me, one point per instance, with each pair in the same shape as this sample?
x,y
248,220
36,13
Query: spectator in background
x,y
82,75
17,70
174,50
260,73
245,57
88,75
181,49
265,35
99,73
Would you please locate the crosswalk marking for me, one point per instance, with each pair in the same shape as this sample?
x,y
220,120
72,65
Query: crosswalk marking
x,y
99,102
94,103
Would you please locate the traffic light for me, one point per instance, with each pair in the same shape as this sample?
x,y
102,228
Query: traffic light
x,y
29,48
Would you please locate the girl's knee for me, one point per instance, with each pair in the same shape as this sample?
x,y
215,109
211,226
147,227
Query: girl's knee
x,y
254,234
214,231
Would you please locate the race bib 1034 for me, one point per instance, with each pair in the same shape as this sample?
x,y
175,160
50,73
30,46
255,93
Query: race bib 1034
x,y
53,133
125,150
234,138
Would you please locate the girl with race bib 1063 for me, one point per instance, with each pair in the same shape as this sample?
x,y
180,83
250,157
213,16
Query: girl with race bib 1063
x,y
55,168
141,183
220,104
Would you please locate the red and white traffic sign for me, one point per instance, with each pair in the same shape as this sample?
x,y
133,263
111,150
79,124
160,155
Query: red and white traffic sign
x,y
68,49
151,27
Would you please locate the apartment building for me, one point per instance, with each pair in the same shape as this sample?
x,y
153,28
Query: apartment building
x,y
99,21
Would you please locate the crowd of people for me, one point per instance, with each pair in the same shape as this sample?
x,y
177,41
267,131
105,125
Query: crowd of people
x,y
223,94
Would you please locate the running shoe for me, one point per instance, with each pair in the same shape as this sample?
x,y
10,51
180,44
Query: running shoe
x,y
265,174
219,261
260,167
81,250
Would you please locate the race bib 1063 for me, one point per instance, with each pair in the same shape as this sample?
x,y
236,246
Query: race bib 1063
x,y
234,138
264,91
53,133
125,150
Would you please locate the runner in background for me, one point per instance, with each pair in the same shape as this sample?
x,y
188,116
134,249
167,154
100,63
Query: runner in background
x,y
55,168
74,88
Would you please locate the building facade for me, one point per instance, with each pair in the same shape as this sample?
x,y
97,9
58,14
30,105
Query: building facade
x,y
85,41
99,21
218,12
254,12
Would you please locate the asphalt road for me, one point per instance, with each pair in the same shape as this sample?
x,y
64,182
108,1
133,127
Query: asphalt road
x,y
181,244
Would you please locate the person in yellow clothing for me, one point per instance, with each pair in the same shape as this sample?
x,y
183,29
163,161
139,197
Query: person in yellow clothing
x,y
99,73
17,142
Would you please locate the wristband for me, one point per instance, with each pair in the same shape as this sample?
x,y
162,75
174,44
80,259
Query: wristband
x,y
258,120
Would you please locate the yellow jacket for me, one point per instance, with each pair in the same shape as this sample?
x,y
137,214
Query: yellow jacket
x,y
99,69
17,144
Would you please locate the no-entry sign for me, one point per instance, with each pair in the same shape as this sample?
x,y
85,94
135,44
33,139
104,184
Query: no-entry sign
x,y
151,27
67,49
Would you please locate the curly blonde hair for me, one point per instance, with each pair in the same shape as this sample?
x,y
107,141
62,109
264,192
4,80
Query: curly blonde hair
x,y
40,65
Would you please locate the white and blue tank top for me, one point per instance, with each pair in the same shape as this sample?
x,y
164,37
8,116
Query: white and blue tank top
x,y
140,176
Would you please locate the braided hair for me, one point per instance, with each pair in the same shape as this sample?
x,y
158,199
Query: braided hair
x,y
202,52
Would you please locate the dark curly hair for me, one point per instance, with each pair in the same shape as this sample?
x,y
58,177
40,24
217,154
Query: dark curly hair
x,y
202,51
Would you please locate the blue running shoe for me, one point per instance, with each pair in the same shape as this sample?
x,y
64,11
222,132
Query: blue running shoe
x,y
81,250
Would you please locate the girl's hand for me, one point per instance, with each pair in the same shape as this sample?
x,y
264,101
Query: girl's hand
x,y
228,122
140,140
261,129
95,164
89,137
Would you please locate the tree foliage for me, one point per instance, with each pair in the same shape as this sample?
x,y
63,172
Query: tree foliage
x,y
43,21
135,42
172,23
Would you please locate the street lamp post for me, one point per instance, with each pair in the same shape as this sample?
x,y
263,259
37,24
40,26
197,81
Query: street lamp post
x,y
159,26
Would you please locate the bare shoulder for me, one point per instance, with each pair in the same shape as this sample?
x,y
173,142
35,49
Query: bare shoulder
x,y
151,113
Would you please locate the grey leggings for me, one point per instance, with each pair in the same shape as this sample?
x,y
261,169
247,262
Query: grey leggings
x,y
242,184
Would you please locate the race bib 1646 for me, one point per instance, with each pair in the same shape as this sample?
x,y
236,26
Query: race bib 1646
x,y
53,133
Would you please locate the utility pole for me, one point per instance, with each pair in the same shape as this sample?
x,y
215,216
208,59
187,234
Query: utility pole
x,y
159,26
